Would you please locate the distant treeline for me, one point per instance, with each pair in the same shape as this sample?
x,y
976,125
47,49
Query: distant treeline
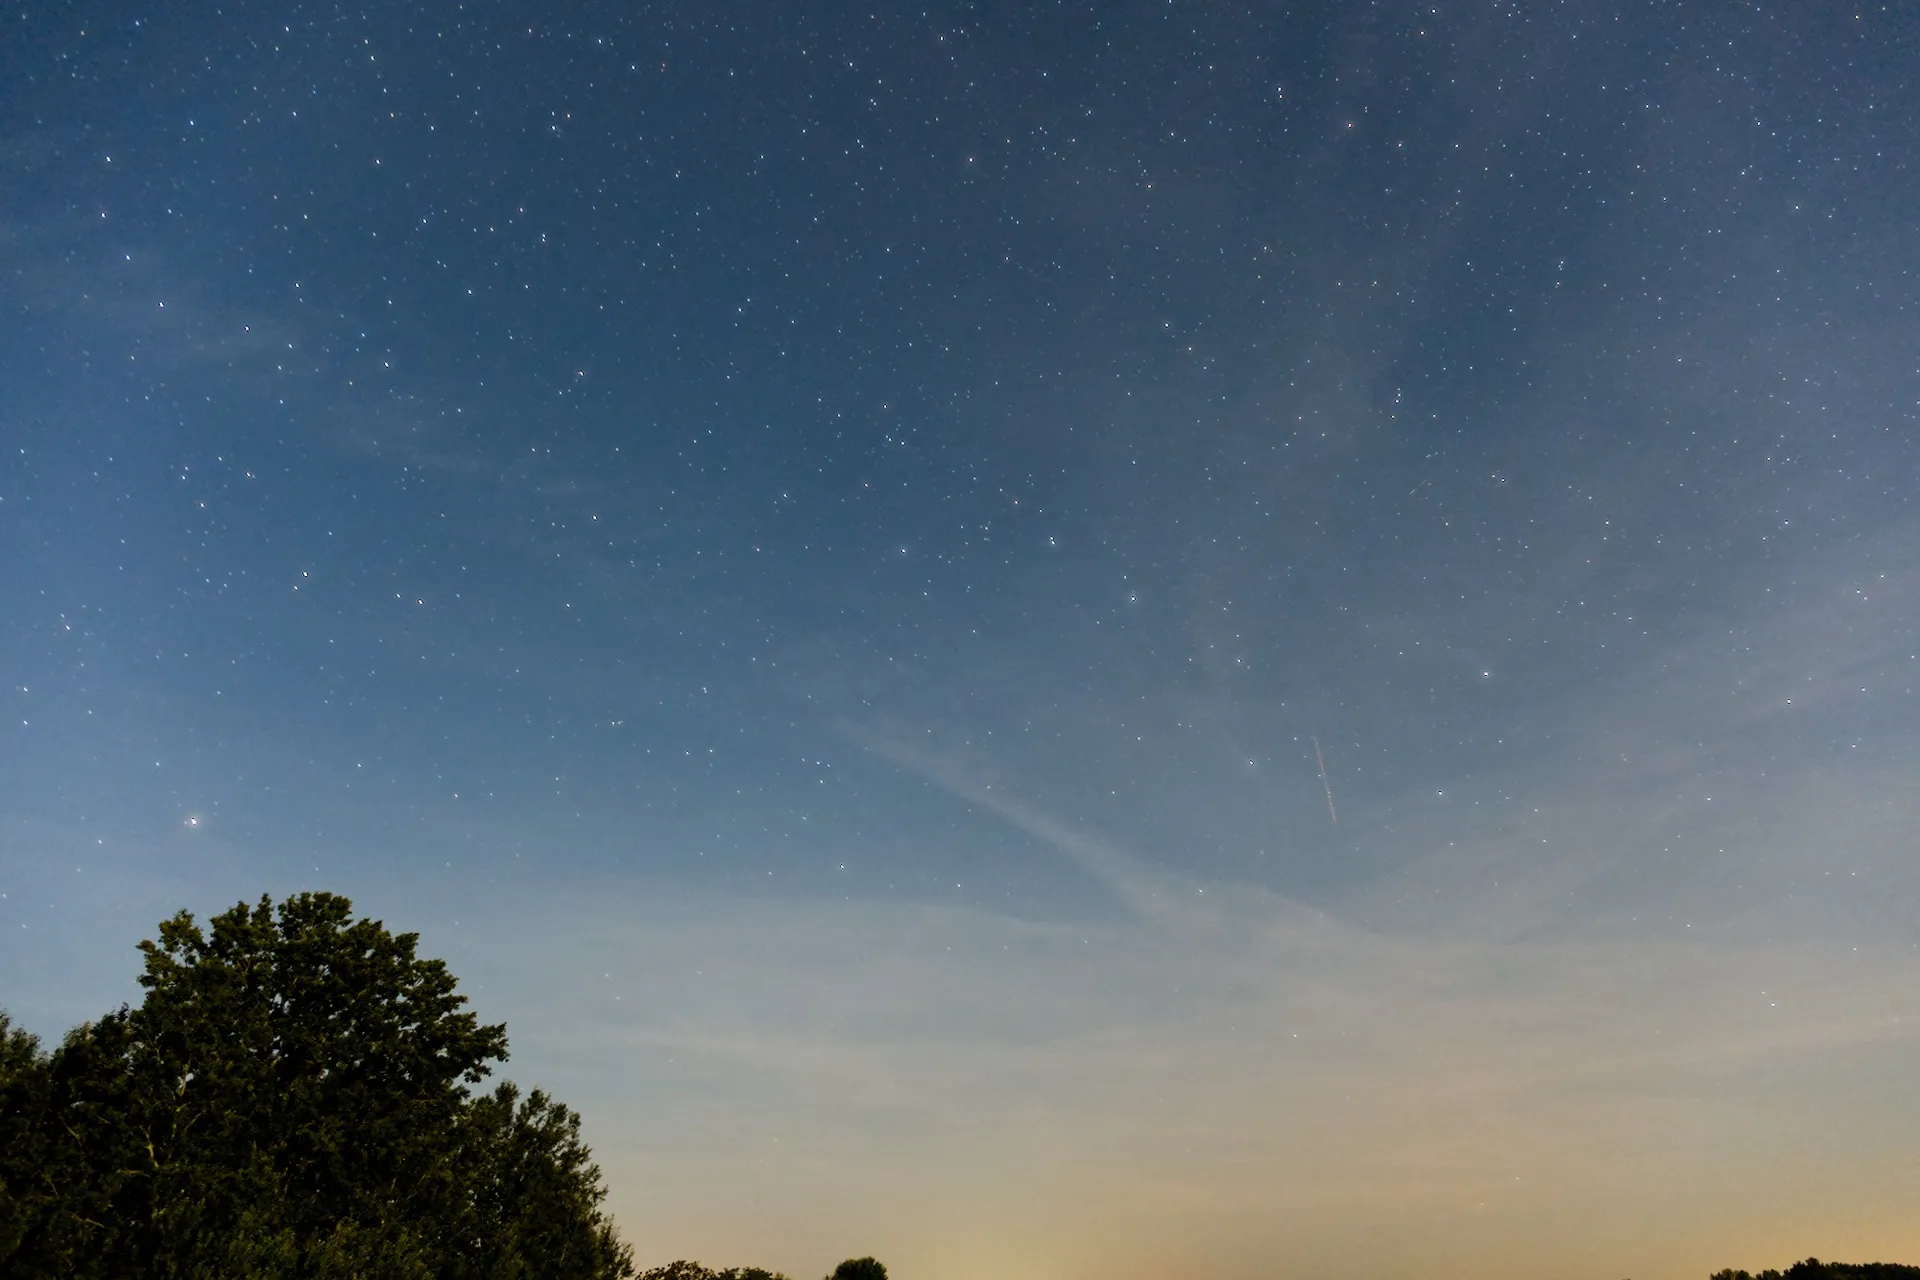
x,y
1814,1269
296,1096
851,1269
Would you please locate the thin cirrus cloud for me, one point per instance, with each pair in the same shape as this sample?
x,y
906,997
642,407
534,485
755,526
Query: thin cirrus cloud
x,y
1217,1061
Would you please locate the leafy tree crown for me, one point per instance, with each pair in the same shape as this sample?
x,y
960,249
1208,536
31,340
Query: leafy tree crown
x,y
292,1097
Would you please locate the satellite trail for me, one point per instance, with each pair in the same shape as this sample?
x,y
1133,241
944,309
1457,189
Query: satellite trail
x,y
1324,784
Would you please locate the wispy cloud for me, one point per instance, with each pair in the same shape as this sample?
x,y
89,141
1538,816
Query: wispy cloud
x,y
1208,1051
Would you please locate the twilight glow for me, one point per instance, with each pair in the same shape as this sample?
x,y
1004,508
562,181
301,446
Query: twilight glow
x,y
1040,640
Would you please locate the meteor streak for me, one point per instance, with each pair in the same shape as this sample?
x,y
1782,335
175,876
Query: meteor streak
x,y
1324,784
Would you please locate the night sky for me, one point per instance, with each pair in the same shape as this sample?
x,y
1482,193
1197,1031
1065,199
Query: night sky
x,y
1100,639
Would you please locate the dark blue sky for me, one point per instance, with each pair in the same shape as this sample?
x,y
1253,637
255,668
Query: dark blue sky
x,y
708,480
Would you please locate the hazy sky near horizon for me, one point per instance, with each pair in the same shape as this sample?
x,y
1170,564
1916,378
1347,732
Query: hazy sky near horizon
x,y
818,554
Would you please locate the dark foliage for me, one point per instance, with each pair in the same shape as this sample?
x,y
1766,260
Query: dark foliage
x,y
851,1269
694,1271
1814,1269
292,1098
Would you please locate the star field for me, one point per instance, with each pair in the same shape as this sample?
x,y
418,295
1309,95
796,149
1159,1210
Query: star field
x,y
810,551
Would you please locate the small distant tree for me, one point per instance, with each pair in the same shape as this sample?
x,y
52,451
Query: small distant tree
x,y
859,1269
292,1097
694,1271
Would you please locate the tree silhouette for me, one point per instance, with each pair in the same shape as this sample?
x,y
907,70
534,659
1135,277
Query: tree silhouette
x,y
859,1269
1814,1269
292,1097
